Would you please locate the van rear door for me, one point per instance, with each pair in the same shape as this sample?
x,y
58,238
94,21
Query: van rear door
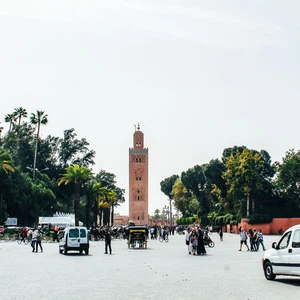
x,y
74,239
83,236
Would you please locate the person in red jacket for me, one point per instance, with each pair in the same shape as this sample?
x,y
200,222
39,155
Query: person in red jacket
x,y
24,233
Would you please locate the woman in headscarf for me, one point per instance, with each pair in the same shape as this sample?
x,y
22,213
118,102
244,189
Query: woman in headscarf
x,y
200,248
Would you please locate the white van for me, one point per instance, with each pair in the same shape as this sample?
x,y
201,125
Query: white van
x,y
284,257
74,238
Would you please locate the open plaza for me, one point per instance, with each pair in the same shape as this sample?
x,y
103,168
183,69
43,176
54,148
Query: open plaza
x,y
162,271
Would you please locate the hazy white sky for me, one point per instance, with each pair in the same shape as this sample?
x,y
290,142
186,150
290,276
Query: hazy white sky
x,y
199,76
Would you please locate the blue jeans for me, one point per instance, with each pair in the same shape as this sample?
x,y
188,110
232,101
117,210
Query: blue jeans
x,y
33,245
262,244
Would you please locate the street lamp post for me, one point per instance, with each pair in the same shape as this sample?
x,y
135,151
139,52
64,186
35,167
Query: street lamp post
x,y
171,217
166,209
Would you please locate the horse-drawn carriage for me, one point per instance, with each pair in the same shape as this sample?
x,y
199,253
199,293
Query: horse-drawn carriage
x,y
137,237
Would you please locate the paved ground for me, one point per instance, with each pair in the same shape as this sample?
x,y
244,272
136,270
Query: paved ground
x,y
163,271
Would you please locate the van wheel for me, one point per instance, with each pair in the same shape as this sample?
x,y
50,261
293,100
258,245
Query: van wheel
x,y
87,252
65,251
60,251
268,270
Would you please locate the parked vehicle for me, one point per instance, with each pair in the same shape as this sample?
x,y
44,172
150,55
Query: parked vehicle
x,y
137,237
284,257
74,239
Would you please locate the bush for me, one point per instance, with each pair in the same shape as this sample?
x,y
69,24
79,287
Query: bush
x,y
260,219
185,220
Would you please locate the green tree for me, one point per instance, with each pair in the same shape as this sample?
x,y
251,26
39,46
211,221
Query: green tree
x,y
11,119
37,119
96,195
166,187
75,151
5,168
156,215
181,197
76,175
244,176
108,179
20,113
194,180
288,178
6,161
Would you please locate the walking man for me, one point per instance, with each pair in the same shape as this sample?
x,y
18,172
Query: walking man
x,y
107,241
33,241
244,237
38,241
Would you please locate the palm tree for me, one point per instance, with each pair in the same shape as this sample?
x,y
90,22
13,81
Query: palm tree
x,y
112,198
5,161
19,113
10,118
76,175
1,128
6,166
95,191
106,200
102,205
38,118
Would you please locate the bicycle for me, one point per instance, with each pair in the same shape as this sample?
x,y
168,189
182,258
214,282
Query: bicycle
x,y
161,238
20,240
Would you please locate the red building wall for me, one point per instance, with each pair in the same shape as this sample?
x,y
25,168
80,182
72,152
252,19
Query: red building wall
x,y
277,226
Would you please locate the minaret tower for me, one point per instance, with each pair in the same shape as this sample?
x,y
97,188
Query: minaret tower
x,y
138,180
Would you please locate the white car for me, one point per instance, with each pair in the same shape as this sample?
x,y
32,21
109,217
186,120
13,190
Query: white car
x,y
75,239
284,257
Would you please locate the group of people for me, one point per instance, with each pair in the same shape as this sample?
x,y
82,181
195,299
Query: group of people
x,y
35,236
194,239
256,239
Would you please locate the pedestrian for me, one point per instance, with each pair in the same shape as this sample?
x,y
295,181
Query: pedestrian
x,y
244,237
221,234
38,241
33,241
260,240
29,235
255,239
252,240
55,233
200,246
107,241
187,240
24,233
152,233
194,241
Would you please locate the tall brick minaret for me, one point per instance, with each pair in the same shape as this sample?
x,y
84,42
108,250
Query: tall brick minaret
x,y
138,180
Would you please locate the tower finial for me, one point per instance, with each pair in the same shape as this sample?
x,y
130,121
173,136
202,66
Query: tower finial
x,y
138,128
